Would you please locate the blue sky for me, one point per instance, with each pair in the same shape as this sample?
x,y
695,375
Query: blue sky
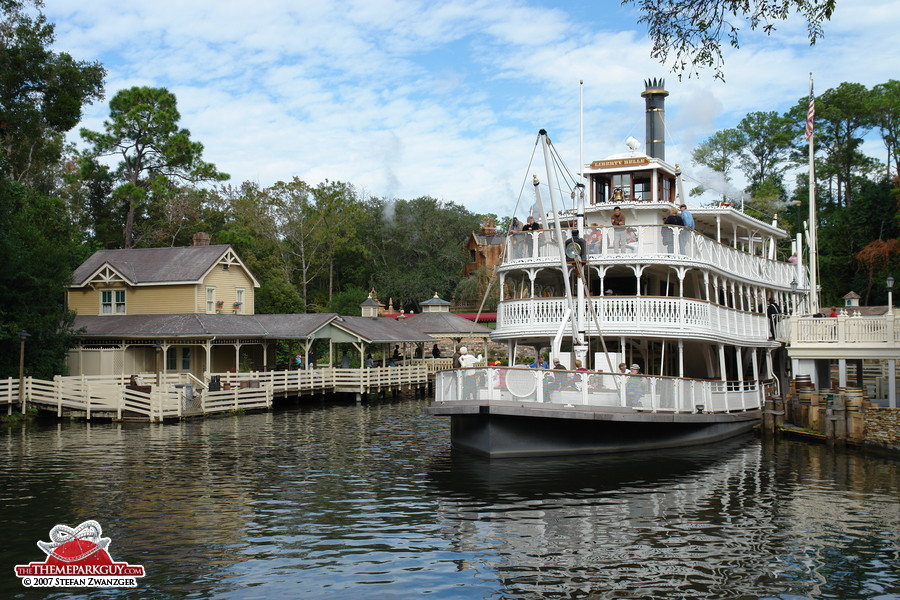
x,y
410,98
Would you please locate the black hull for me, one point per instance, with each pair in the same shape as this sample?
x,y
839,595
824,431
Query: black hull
x,y
492,433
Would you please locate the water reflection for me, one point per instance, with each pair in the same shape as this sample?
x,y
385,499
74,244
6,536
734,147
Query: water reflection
x,y
343,500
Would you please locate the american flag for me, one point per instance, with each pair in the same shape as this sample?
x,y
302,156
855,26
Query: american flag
x,y
810,112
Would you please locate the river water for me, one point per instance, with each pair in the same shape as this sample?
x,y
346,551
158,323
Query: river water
x,y
340,500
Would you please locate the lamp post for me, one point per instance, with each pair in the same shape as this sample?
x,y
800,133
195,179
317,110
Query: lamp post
x,y
890,286
23,335
794,294
158,348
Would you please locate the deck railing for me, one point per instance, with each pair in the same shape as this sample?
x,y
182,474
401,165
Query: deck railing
x,y
583,388
654,315
851,329
177,395
650,241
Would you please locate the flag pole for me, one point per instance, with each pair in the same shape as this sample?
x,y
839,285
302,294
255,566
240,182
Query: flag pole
x,y
813,235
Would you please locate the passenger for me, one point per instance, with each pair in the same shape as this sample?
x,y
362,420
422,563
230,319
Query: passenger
x,y
370,363
345,360
834,312
531,225
623,368
539,363
595,240
635,388
667,232
435,352
686,216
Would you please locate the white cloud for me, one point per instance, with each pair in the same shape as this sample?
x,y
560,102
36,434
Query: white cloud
x,y
409,98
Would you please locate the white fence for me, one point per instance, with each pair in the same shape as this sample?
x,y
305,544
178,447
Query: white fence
x,y
173,396
653,315
649,241
843,329
583,388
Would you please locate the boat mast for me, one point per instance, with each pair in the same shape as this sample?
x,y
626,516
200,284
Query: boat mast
x,y
577,339
812,236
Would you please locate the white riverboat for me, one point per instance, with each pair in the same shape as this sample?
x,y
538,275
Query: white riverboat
x,y
687,305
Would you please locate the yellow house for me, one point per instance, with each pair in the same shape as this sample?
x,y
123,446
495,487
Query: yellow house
x,y
148,281
134,304
190,311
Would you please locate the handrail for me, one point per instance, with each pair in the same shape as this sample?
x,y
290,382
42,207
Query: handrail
x,y
649,241
654,314
587,388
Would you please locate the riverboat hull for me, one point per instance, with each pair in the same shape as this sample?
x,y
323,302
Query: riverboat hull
x,y
512,430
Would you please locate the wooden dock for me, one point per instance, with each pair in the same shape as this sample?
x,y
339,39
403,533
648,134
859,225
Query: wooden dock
x,y
175,396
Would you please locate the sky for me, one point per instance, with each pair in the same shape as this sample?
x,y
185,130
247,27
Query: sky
x,y
407,98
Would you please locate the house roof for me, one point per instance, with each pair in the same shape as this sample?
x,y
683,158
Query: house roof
x,y
445,324
157,266
381,330
496,239
194,325
435,301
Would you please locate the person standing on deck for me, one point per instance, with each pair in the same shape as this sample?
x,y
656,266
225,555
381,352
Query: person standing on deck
x,y
635,388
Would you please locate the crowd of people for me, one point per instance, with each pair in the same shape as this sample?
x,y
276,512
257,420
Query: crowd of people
x,y
625,238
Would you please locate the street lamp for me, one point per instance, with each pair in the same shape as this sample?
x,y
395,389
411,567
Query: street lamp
x,y
794,293
23,335
890,286
158,348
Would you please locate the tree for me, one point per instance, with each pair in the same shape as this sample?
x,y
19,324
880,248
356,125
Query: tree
x,y
41,95
843,116
155,154
39,255
693,30
720,153
886,106
416,247
767,145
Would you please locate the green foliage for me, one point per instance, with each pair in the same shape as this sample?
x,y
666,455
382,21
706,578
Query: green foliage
x,y
41,96
347,301
693,30
143,132
417,247
40,251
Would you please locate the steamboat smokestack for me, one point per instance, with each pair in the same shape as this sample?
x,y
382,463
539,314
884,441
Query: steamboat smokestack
x,y
655,96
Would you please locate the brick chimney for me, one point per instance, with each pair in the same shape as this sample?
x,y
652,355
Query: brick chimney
x,y
201,239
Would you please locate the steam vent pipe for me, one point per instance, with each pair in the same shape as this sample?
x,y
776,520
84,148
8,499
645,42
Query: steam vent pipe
x,y
655,96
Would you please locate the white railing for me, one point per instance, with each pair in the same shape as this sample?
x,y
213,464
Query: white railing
x,y
178,395
623,315
650,241
583,388
843,329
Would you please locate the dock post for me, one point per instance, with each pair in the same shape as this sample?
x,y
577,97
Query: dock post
x,y
836,421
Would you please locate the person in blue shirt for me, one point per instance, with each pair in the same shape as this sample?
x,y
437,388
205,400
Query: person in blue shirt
x,y
686,216
539,363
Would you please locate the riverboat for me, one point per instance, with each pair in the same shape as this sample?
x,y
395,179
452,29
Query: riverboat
x,y
606,282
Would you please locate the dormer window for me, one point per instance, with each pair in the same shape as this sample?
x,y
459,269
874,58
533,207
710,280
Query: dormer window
x,y
112,302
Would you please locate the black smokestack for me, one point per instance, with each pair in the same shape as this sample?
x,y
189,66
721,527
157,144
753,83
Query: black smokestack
x,y
655,96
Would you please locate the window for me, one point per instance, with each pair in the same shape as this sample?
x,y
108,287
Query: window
x,y
622,182
238,300
210,300
112,302
642,190
172,359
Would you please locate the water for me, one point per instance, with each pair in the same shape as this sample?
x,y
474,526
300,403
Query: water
x,y
341,500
